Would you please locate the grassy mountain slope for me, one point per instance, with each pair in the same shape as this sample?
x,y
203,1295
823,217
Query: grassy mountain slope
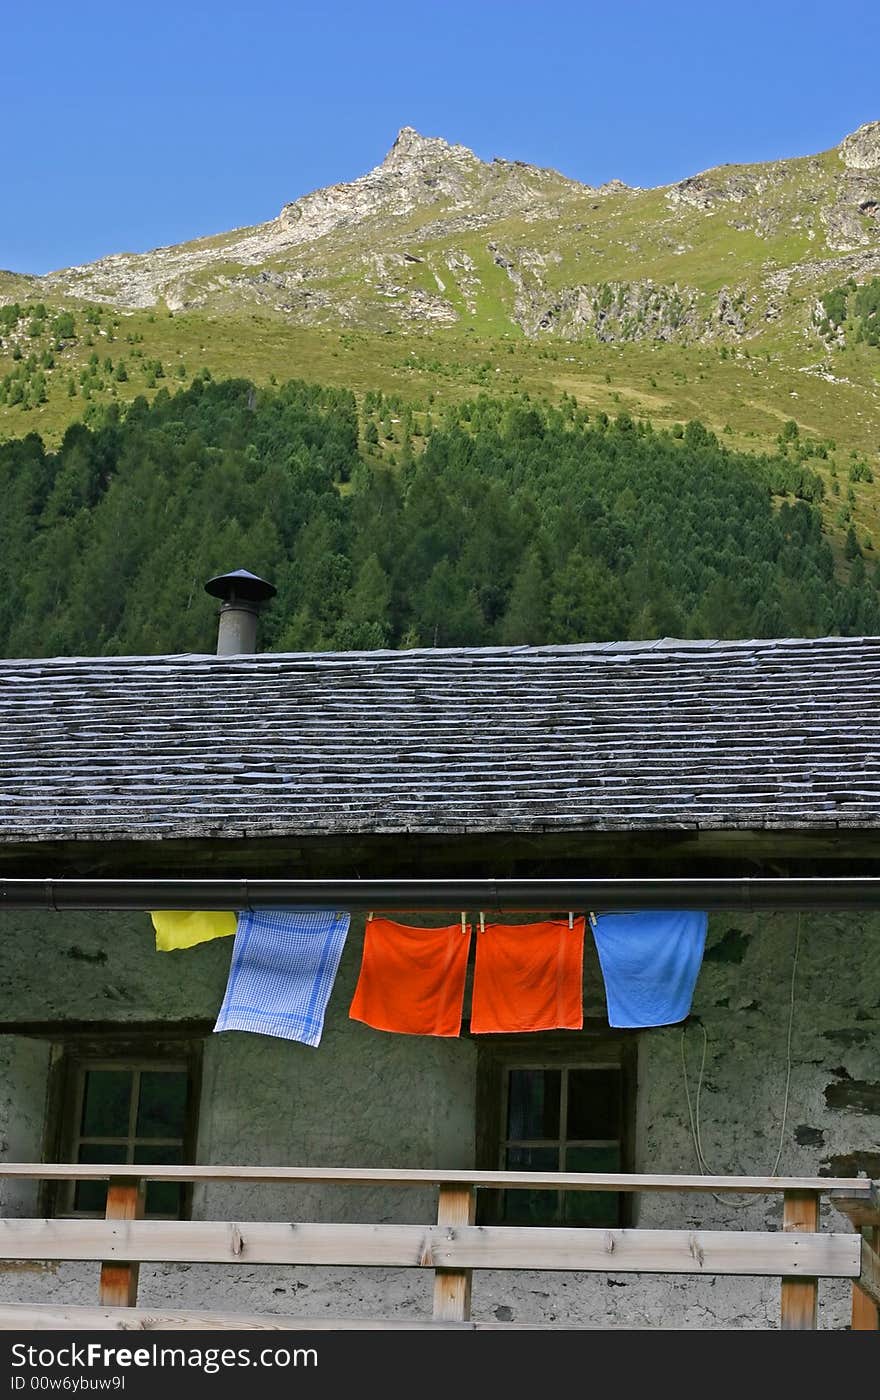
x,y
438,274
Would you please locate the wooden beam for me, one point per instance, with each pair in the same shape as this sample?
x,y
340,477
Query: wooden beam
x,y
740,1252
452,1287
800,1296
118,1284
861,1207
737,1252
216,1242
673,852
853,1188
866,1292
50,1317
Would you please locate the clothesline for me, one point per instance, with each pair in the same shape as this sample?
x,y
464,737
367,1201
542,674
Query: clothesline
x,y
179,928
527,977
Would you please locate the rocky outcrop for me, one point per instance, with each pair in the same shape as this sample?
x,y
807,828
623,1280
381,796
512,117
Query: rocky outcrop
x,y
609,312
621,312
418,170
861,149
731,312
844,229
423,306
851,220
826,271
463,268
626,311
696,191
726,185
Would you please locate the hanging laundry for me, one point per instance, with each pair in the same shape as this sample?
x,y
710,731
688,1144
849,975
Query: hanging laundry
x,y
529,977
184,928
412,979
284,964
650,962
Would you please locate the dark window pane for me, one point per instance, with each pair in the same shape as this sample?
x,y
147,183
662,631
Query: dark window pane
x,y
106,1103
533,1103
531,1207
592,1207
170,1154
163,1197
532,1159
593,1159
599,1208
92,1195
594,1103
162,1104
103,1152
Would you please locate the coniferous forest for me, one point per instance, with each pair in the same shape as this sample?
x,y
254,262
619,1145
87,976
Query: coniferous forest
x,y
499,522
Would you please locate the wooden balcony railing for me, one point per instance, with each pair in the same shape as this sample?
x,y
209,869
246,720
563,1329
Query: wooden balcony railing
x,y
799,1254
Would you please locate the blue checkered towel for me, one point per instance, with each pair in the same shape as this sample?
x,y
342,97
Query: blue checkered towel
x,y
284,964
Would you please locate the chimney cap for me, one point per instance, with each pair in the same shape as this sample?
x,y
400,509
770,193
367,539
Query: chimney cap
x,y
240,584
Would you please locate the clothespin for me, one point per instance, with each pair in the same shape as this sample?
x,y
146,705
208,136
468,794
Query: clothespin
x,y
570,919
482,922
370,917
464,921
592,919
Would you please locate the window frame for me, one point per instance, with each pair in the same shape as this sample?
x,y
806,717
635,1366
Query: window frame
x,y
591,1048
71,1059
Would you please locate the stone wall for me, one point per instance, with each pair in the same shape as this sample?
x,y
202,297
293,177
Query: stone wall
x,y
367,1098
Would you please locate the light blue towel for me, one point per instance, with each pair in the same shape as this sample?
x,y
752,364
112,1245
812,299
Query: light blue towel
x,y
650,962
284,964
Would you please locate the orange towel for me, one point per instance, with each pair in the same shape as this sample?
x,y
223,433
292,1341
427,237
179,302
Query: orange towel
x,y
529,977
412,979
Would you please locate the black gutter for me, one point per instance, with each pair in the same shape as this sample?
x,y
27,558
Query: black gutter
x,y
510,896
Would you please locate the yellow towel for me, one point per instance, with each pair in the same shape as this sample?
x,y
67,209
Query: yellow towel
x,y
184,928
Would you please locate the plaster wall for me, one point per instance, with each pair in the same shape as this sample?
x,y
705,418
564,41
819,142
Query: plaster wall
x,y
366,1098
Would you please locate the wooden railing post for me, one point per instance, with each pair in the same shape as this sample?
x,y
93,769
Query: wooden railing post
x,y
452,1287
800,1296
865,1311
119,1282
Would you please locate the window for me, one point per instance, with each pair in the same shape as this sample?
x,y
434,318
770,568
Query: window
x,y
128,1107
562,1105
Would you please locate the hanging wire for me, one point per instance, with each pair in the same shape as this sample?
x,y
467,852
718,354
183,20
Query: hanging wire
x,y
694,1108
794,967
694,1119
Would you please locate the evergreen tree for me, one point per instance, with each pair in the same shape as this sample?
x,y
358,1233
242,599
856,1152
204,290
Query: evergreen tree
x,y
365,618
526,620
515,524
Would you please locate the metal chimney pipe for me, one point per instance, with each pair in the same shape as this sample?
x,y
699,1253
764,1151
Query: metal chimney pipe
x,y
243,595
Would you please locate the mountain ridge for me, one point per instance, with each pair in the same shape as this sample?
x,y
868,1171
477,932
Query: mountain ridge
x,y
439,167
414,172
434,236
732,296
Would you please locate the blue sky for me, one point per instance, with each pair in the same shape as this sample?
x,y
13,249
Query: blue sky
x,y
126,127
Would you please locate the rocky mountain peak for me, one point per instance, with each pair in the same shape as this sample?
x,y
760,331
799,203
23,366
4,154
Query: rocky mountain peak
x,y
861,149
417,170
411,148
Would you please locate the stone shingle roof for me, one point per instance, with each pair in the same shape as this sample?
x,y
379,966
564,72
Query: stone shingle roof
x,y
656,735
